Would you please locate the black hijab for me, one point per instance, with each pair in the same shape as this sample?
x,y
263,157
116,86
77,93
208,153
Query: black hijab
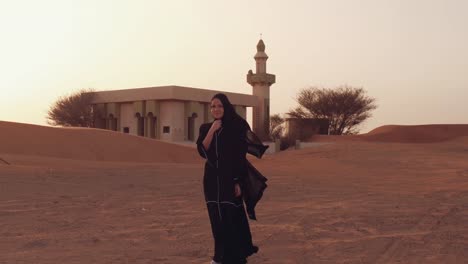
x,y
230,117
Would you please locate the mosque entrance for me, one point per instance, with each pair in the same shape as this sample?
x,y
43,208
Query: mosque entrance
x,y
112,123
152,124
191,127
140,125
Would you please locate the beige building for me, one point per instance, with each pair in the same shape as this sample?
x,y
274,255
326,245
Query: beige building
x,y
174,113
304,128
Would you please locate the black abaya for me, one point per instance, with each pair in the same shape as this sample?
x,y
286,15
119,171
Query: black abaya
x,y
226,165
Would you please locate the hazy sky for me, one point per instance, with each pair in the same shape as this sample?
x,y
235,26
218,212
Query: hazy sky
x,y
411,55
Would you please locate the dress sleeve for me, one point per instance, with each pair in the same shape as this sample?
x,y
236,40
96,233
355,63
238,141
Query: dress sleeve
x,y
240,150
204,153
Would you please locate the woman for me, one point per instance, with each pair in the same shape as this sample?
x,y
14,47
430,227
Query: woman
x,y
223,144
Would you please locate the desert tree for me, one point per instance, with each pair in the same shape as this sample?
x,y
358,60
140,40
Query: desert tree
x,y
73,110
345,107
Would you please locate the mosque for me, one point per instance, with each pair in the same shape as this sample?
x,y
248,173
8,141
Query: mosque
x,y
174,113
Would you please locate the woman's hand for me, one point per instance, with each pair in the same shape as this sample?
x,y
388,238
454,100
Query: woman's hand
x,y
209,136
237,190
216,125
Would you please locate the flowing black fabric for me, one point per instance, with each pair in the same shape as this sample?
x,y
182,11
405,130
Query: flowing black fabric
x,y
254,144
253,187
254,184
225,166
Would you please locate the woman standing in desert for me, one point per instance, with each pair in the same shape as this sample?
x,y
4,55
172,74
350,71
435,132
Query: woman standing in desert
x,y
222,143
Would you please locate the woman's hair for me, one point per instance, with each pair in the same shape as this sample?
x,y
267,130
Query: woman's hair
x,y
230,116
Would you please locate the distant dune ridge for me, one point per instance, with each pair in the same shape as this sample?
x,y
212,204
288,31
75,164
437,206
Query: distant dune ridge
x,y
417,134
405,134
103,145
89,144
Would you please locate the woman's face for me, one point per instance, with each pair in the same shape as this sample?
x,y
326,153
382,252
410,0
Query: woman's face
x,y
217,109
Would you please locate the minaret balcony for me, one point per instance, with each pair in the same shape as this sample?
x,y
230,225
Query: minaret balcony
x,y
262,78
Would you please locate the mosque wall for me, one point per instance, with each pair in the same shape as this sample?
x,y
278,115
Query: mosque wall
x,y
172,120
128,119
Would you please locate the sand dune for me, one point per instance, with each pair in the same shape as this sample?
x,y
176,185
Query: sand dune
x,y
355,201
404,134
88,144
416,134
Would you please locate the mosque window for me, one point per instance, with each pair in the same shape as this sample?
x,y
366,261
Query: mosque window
x,y
166,129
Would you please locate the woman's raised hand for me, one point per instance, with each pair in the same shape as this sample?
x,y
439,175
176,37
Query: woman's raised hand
x,y
216,125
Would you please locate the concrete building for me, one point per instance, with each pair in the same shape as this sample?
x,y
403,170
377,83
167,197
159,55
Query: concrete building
x,y
174,113
171,113
304,128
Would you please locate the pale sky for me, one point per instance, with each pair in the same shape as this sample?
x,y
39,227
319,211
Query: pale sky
x,y
411,55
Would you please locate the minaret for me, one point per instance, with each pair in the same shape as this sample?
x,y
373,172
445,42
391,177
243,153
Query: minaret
x,y
261,81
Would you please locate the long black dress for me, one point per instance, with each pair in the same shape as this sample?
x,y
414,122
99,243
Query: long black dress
x,y
226,165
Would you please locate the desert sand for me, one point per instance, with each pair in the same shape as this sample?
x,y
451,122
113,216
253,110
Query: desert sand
x,y
398,194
